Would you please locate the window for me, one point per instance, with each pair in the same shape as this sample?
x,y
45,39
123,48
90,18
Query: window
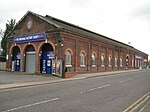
x,y
138,63
132,62
110,63
93,60
82,60
116,62
68,58
135,63
120,62
102,60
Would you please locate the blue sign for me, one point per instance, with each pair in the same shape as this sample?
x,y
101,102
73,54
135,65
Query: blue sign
x,y
18,56
138,57
30,38
44,66
50,55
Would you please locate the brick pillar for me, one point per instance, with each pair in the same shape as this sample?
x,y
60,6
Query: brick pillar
x,y
106,63
119,53
98,59
37,63
76,57
89,55
22,62
113,58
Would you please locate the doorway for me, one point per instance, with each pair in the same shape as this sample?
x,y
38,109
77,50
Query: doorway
x,y
47,56
16,59
30,59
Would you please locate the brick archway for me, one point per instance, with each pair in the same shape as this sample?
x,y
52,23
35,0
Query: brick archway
x,y
15,57
49,47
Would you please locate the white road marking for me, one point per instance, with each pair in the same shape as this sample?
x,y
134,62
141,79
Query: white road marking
x,y
125,80
104,86
29,105
100,87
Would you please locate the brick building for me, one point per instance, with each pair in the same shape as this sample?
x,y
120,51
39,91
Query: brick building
x,y
44,44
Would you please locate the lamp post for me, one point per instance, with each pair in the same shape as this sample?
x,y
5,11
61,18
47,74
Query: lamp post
x,y
127,57
59,62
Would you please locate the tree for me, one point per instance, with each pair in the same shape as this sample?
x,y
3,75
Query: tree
x,y
1,32
9,26
149,63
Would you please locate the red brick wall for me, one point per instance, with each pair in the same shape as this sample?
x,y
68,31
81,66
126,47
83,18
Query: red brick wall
x,y
77,43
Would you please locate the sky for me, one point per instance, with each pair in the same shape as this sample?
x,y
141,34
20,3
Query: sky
x,y
122,20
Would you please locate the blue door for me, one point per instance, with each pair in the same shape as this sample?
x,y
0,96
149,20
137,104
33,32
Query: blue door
x,y
17,61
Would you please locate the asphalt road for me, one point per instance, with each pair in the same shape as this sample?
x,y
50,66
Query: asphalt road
x,y
98,94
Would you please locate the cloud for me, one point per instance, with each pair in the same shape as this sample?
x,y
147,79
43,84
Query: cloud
x,y
79,3
142,11
123,20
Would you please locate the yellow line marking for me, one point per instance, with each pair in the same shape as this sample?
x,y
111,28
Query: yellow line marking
x,y
136,103
145,106
136,107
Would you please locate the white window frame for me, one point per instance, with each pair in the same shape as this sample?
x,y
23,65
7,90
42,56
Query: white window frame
x,y
116,61
68,58
138,63
110,61
135,63
121,62
132,62
93,60
102,60
82,59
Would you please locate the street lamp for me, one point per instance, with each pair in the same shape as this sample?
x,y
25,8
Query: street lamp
x,y
127,57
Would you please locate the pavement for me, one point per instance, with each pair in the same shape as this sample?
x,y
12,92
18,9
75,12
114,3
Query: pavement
x,y
21,79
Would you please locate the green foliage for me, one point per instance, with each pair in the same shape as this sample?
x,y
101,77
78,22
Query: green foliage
x,y
149,64
9,26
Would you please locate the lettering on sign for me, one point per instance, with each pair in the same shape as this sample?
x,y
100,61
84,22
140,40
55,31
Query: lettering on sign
x,y
30,38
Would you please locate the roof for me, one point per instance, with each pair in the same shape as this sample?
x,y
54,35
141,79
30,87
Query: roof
x,y
60,24
74,28
83,31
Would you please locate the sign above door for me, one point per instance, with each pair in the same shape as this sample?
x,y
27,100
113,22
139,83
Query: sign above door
x,y
30,38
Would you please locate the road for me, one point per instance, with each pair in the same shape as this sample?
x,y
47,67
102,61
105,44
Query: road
x,y
113,93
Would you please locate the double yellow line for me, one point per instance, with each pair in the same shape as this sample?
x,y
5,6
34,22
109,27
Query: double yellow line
x,y
138,103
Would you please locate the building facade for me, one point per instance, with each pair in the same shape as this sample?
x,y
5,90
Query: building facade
x,y
44,44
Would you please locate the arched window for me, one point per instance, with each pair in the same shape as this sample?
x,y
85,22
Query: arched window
x,y
82,60
102,60
68,58
93,60
135,63
116,61
110,62
132,62
121,62
138,63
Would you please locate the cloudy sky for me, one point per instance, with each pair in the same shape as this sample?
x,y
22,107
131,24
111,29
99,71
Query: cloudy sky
x,y
123,20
